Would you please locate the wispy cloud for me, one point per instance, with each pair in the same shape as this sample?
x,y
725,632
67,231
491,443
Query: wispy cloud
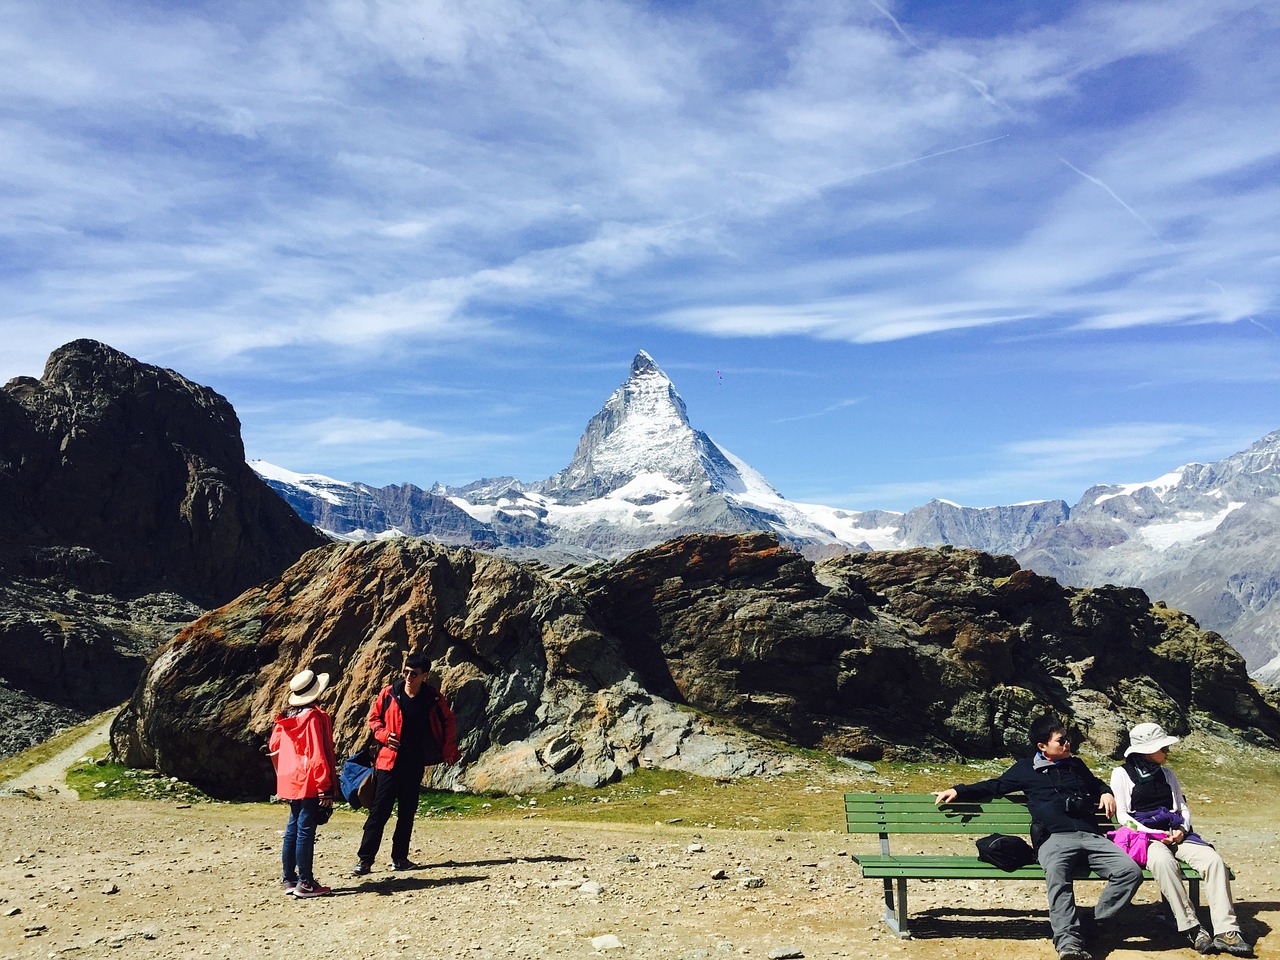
x,y
825,411
632,150
1094,450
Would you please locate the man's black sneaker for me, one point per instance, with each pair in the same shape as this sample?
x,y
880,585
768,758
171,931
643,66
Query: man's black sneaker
x,y
361,869
404,863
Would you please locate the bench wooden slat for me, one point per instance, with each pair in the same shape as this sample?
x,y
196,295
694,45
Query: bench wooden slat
x,y
943,867
917,813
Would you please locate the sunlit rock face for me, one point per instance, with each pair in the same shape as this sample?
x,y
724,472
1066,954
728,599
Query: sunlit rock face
x,y
584,674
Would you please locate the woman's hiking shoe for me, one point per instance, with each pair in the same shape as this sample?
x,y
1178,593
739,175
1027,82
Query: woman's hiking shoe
x,y
312,889
1233,943
289,886
1201,939
361,869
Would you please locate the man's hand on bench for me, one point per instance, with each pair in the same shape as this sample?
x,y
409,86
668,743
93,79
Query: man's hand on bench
x,y
944,796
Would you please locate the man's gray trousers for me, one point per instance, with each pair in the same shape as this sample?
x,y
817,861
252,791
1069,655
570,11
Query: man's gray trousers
x,y
1059,855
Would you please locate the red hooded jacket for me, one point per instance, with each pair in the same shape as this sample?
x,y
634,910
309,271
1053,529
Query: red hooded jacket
x,y
386,718
302,751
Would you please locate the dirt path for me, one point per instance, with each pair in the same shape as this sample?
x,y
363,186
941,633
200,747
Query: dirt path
x,y
153,879
50,777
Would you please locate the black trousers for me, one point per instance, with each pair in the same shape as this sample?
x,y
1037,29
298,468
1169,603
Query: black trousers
x,y
398,786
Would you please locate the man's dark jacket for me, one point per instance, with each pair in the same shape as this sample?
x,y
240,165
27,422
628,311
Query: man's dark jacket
x,y
1047,786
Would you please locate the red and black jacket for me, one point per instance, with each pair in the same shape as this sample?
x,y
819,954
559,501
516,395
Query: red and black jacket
x,y
387,718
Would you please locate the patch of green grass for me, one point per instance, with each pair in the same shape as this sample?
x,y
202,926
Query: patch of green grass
x,y
648,797
101,779
1221,779
439,804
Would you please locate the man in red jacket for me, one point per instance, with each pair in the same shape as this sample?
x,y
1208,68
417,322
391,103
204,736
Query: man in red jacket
x,y
416,728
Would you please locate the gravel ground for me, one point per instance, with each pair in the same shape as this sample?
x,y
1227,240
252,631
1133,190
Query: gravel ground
x,y
154,879
175,880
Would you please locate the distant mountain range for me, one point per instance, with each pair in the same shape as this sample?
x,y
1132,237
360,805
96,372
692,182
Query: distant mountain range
x,y
1204,538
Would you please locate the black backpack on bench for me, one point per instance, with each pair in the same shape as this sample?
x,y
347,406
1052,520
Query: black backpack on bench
x,y
1006,852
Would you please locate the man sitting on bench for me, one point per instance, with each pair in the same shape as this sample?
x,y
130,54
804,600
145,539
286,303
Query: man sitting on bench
x,y
1063,796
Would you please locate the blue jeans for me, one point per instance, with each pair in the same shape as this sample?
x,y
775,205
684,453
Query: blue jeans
x,y
300,839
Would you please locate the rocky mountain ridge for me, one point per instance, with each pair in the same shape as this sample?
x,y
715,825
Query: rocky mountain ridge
x,y
641,474
583,674
1205,536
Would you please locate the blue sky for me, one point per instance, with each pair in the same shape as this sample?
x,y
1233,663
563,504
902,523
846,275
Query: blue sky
x,y
990,252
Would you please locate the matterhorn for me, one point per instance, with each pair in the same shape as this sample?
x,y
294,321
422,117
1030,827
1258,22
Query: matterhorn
x,y
641,475
642,437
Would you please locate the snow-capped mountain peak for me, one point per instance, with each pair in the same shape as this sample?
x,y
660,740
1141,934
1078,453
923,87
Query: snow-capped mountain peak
x,y
642,430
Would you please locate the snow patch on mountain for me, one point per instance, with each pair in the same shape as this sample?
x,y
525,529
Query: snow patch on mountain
x,y
1159,486
315,484
1188,525
884,532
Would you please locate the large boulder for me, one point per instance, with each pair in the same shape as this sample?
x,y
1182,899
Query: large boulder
x,y
542,697
945,651
581,675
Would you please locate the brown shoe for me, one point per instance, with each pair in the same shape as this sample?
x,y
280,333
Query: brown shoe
x,y
1233,943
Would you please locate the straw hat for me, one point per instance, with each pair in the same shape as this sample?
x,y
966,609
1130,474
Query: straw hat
x,y
306,686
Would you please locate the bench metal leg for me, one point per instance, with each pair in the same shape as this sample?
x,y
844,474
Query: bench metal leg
x,y
1193,892
896,915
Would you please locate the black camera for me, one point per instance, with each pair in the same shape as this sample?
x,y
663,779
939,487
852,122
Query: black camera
x,y
1081,807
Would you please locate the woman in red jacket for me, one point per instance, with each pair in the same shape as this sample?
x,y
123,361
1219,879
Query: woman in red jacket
x,y
306,776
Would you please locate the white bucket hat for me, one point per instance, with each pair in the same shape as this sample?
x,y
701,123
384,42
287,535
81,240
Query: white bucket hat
x,y
306,686
1148,738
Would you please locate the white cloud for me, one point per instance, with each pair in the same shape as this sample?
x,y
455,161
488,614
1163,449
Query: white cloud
x,y
359,184
1096,448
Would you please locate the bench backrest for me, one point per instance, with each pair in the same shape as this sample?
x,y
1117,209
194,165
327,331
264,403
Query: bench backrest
x,y
915,813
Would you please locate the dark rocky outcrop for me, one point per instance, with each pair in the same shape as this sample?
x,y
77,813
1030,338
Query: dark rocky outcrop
x,y
126,508
583,674
124,477
949,649
66,654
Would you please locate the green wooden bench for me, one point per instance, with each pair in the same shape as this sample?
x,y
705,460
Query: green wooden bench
x,y
886,814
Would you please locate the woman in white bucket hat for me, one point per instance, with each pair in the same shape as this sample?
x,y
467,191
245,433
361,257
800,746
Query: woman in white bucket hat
x,y
1149,799
306,776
